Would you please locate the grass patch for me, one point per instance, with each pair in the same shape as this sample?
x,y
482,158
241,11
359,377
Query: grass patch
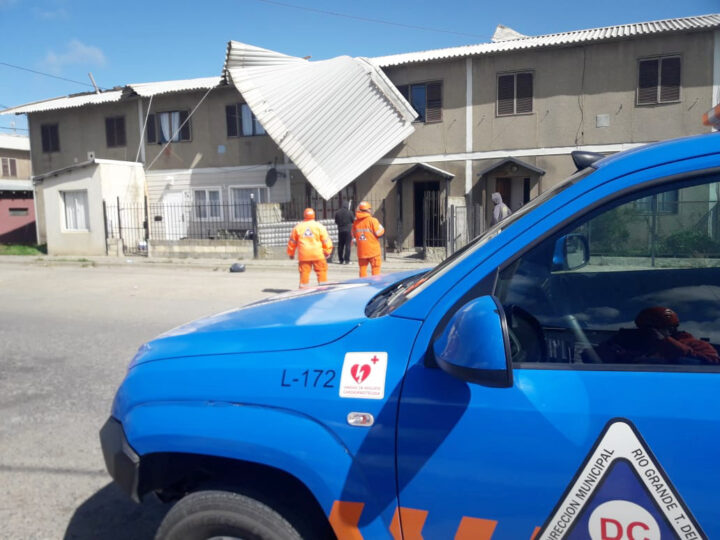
x,y
18,249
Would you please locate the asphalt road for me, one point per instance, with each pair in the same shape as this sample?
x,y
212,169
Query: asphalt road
x,y
67,334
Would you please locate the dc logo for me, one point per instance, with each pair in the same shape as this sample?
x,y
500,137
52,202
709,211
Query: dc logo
x,y
307,232
622,520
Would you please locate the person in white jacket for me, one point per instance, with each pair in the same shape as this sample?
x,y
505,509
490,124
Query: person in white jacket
x,y
501,210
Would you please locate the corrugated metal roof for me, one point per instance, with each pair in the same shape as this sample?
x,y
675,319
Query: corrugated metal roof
x,y
66,102
333,118
14,142
91,98
168,87
16,185
685,24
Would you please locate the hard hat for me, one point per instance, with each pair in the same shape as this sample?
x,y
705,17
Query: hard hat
x,y
364,206
657,317
309,213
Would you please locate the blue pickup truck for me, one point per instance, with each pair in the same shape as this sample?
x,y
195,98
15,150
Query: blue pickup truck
x,y
558,377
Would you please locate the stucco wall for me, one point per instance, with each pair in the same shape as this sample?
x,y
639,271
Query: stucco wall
x,y
22,163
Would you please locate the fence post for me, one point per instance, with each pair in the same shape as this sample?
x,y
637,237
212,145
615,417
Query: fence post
x,y
105,226
253,210
384,249
451,228
120,238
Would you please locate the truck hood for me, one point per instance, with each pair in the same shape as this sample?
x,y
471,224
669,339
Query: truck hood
x,y
283,322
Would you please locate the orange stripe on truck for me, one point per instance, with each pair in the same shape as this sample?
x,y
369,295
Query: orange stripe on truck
x,y
344,519
412,520
475,529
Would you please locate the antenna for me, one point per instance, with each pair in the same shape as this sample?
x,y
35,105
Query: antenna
x,y
92,80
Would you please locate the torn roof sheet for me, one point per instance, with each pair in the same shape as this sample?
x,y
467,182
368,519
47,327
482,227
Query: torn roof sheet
x,y
333,118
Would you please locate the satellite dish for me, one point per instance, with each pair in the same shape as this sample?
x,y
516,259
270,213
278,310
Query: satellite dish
x,y
271,177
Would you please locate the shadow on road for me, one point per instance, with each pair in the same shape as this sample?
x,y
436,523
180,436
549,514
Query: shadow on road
x,y
109,514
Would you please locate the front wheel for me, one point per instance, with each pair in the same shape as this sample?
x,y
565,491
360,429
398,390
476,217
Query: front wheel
x,y
206,515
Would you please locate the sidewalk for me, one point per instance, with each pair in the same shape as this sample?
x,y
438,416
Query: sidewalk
x,y
392,264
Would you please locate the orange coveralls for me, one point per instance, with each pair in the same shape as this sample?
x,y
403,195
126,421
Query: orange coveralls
x,y
365,231
313,245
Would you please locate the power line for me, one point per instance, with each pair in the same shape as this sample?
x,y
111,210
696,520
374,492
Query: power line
x,y
47,75
13,128
367,19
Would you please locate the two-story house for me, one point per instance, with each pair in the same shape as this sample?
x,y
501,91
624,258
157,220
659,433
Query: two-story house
x,y
17,211
501,116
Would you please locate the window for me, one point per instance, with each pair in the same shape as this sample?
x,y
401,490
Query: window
x,y
514,94
166,126
208,204
426,99
50,138
75,204
658,80
18,212
621,287
9,167
240,200
115,131
662,203
241,122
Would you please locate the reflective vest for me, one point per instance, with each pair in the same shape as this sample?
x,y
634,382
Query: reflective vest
x,y
366,230
311,241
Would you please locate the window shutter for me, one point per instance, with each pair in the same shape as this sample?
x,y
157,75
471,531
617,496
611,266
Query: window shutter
x,y
54,138
45,133
670,79
185,130
110,132
120,131
433,113
151,136
13,167
506,95
231,120
524,93
647,82
5,166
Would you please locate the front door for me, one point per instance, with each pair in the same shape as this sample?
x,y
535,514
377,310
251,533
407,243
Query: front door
x,y
427,213
612,425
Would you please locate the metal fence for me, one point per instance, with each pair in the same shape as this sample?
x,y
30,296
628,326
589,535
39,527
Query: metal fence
x,y
465,223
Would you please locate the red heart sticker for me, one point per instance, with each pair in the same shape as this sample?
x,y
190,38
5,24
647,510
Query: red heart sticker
x,y
360,372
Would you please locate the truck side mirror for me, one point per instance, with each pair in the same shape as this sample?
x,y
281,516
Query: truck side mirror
x,y
571,252
475,346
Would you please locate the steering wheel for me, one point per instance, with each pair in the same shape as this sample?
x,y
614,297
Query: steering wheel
x,y
528,333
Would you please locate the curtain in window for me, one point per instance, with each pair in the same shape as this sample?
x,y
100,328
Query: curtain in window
x,y
165,128
247,120
200,206
76,210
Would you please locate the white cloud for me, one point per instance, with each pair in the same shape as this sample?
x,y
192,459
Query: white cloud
x,y
76,52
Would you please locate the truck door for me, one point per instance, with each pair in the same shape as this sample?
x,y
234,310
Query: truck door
x,y
611,427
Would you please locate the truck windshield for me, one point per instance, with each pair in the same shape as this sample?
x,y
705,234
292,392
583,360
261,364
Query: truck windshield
x,y
393,297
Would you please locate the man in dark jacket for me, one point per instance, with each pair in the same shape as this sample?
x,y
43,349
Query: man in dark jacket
x,y
344,219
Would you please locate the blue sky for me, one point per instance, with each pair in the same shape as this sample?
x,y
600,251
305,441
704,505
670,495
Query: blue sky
x,y
134,41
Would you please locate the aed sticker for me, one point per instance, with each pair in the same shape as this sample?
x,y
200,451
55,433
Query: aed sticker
x,y
363,375
621,493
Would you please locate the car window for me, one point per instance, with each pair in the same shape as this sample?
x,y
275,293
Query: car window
x,y
636,282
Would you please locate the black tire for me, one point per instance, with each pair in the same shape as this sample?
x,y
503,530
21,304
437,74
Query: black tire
x,y
207,514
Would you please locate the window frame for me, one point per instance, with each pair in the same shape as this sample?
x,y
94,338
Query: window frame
x,y
658,86
11,167
514,75
50,137
113,131
154,125
238,127
437,108
65,227
206,190
613,200
231,201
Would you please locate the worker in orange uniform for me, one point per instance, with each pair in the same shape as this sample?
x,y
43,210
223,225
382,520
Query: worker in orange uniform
x,y
313,244
365,231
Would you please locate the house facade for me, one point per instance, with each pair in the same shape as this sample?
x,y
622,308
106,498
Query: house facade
x,y
501,116
17,209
